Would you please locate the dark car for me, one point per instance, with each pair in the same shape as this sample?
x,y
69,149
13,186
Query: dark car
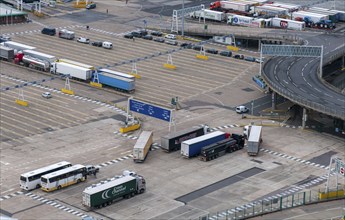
x,y
143,32
187,45
97,43
91,6
129,35
251,59
159,39
213,51
49,31
148,37
197,47
156,33
238,56
136,34
225,53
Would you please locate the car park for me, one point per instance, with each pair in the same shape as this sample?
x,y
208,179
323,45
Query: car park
x,y
148,37
49,31
129,36
83,40
156,33
47,95
97,43
226,53
171,42
159,39
170,36
213,51
91,6
241,109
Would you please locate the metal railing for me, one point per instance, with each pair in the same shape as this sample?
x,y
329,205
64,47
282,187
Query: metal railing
x,y
271,204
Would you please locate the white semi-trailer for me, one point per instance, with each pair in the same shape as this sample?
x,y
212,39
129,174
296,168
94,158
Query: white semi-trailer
x,y
288,24
17,46
39,55
72,70
312,17
209,15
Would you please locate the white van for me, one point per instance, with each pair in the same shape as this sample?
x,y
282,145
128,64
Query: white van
x,y
107,45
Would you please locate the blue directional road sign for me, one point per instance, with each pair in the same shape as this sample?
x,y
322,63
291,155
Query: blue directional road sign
x,y
149,110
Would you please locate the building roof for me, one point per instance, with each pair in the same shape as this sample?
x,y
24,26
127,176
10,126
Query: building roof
x,y
6,10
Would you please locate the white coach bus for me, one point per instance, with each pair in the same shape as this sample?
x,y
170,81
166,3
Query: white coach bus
x,y
32,180
63,178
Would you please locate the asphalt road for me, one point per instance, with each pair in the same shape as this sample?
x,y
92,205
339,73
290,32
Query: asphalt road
x,y
298,76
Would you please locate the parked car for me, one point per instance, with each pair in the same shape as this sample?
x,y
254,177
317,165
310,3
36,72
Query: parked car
x,y
187,45
136,34
159,39
4,38
171,42
47,95
225,53
197,47
213,51
91,6
83,40
49,31
90,169
143,32
170,36
129,36
259,61
239,56
241,109
148,37
156,33
251,59
97,43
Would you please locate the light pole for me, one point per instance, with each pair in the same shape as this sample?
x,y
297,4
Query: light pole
x,y
182,32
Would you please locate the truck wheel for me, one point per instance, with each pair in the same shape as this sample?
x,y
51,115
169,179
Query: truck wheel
x,y
59,187
132,194
78,181
38,186
142,191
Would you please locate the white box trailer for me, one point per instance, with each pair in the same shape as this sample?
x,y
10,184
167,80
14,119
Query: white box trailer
x,y
209,15
234,19
270,10
72,70
77,64
288,24
236,6
290,7
142,146
254,140
309,16
17,46
39,55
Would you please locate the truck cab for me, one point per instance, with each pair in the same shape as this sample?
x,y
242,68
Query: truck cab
x,y
141,184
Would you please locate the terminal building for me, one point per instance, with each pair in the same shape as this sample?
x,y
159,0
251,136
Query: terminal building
x,y
10,15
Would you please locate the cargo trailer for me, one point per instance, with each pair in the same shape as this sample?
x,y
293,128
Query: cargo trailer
x,y
239,20
76,63
142,146
6,53
17,46
102,194
209,15
39,55
270,10
117,73
288,24
115,81
35,63
254,140
172,142
331,15
308,16
192,147
73,71
230,6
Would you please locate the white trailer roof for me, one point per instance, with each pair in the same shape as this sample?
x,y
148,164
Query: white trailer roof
x,y
73,66
116,77
117,73
112,183
211,11
42,169
63,171
306,13
142,140
12,43
39,54
77,63
255,133
203,137
5,48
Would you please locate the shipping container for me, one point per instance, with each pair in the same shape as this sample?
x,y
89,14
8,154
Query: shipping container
x,y
111,190
172,141
6,53
192,147
308,16
115,81
72,70
142,146
17,46
288,24
39,55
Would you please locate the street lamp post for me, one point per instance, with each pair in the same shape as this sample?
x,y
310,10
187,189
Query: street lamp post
x,y
182,32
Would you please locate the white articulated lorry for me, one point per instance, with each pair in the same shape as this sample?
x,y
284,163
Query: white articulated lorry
x,y
254,138
288,24
72,70
209,15
142,146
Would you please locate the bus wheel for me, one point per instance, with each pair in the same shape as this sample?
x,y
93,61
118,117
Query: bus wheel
x,y
59,187
38,186
78,181
132,194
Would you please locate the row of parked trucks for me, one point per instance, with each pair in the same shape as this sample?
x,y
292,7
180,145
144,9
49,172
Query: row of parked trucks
x,y
28,56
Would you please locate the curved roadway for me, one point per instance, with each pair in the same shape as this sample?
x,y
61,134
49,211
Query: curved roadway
x,y
297,78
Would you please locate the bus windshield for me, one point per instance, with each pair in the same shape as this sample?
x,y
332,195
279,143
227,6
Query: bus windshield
x,y
44,180
22,178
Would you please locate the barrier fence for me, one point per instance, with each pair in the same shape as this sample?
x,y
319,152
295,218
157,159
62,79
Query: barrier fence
x,y
275,203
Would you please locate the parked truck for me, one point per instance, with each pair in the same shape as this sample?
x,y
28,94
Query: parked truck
x,y
254,135
308,17
228,6
115,81
76,72
209,15
69,35
142,146
35,63
239,20
228,145
102,194
192,147
288,24
63,60
39,55
172,141
17,46
6,53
